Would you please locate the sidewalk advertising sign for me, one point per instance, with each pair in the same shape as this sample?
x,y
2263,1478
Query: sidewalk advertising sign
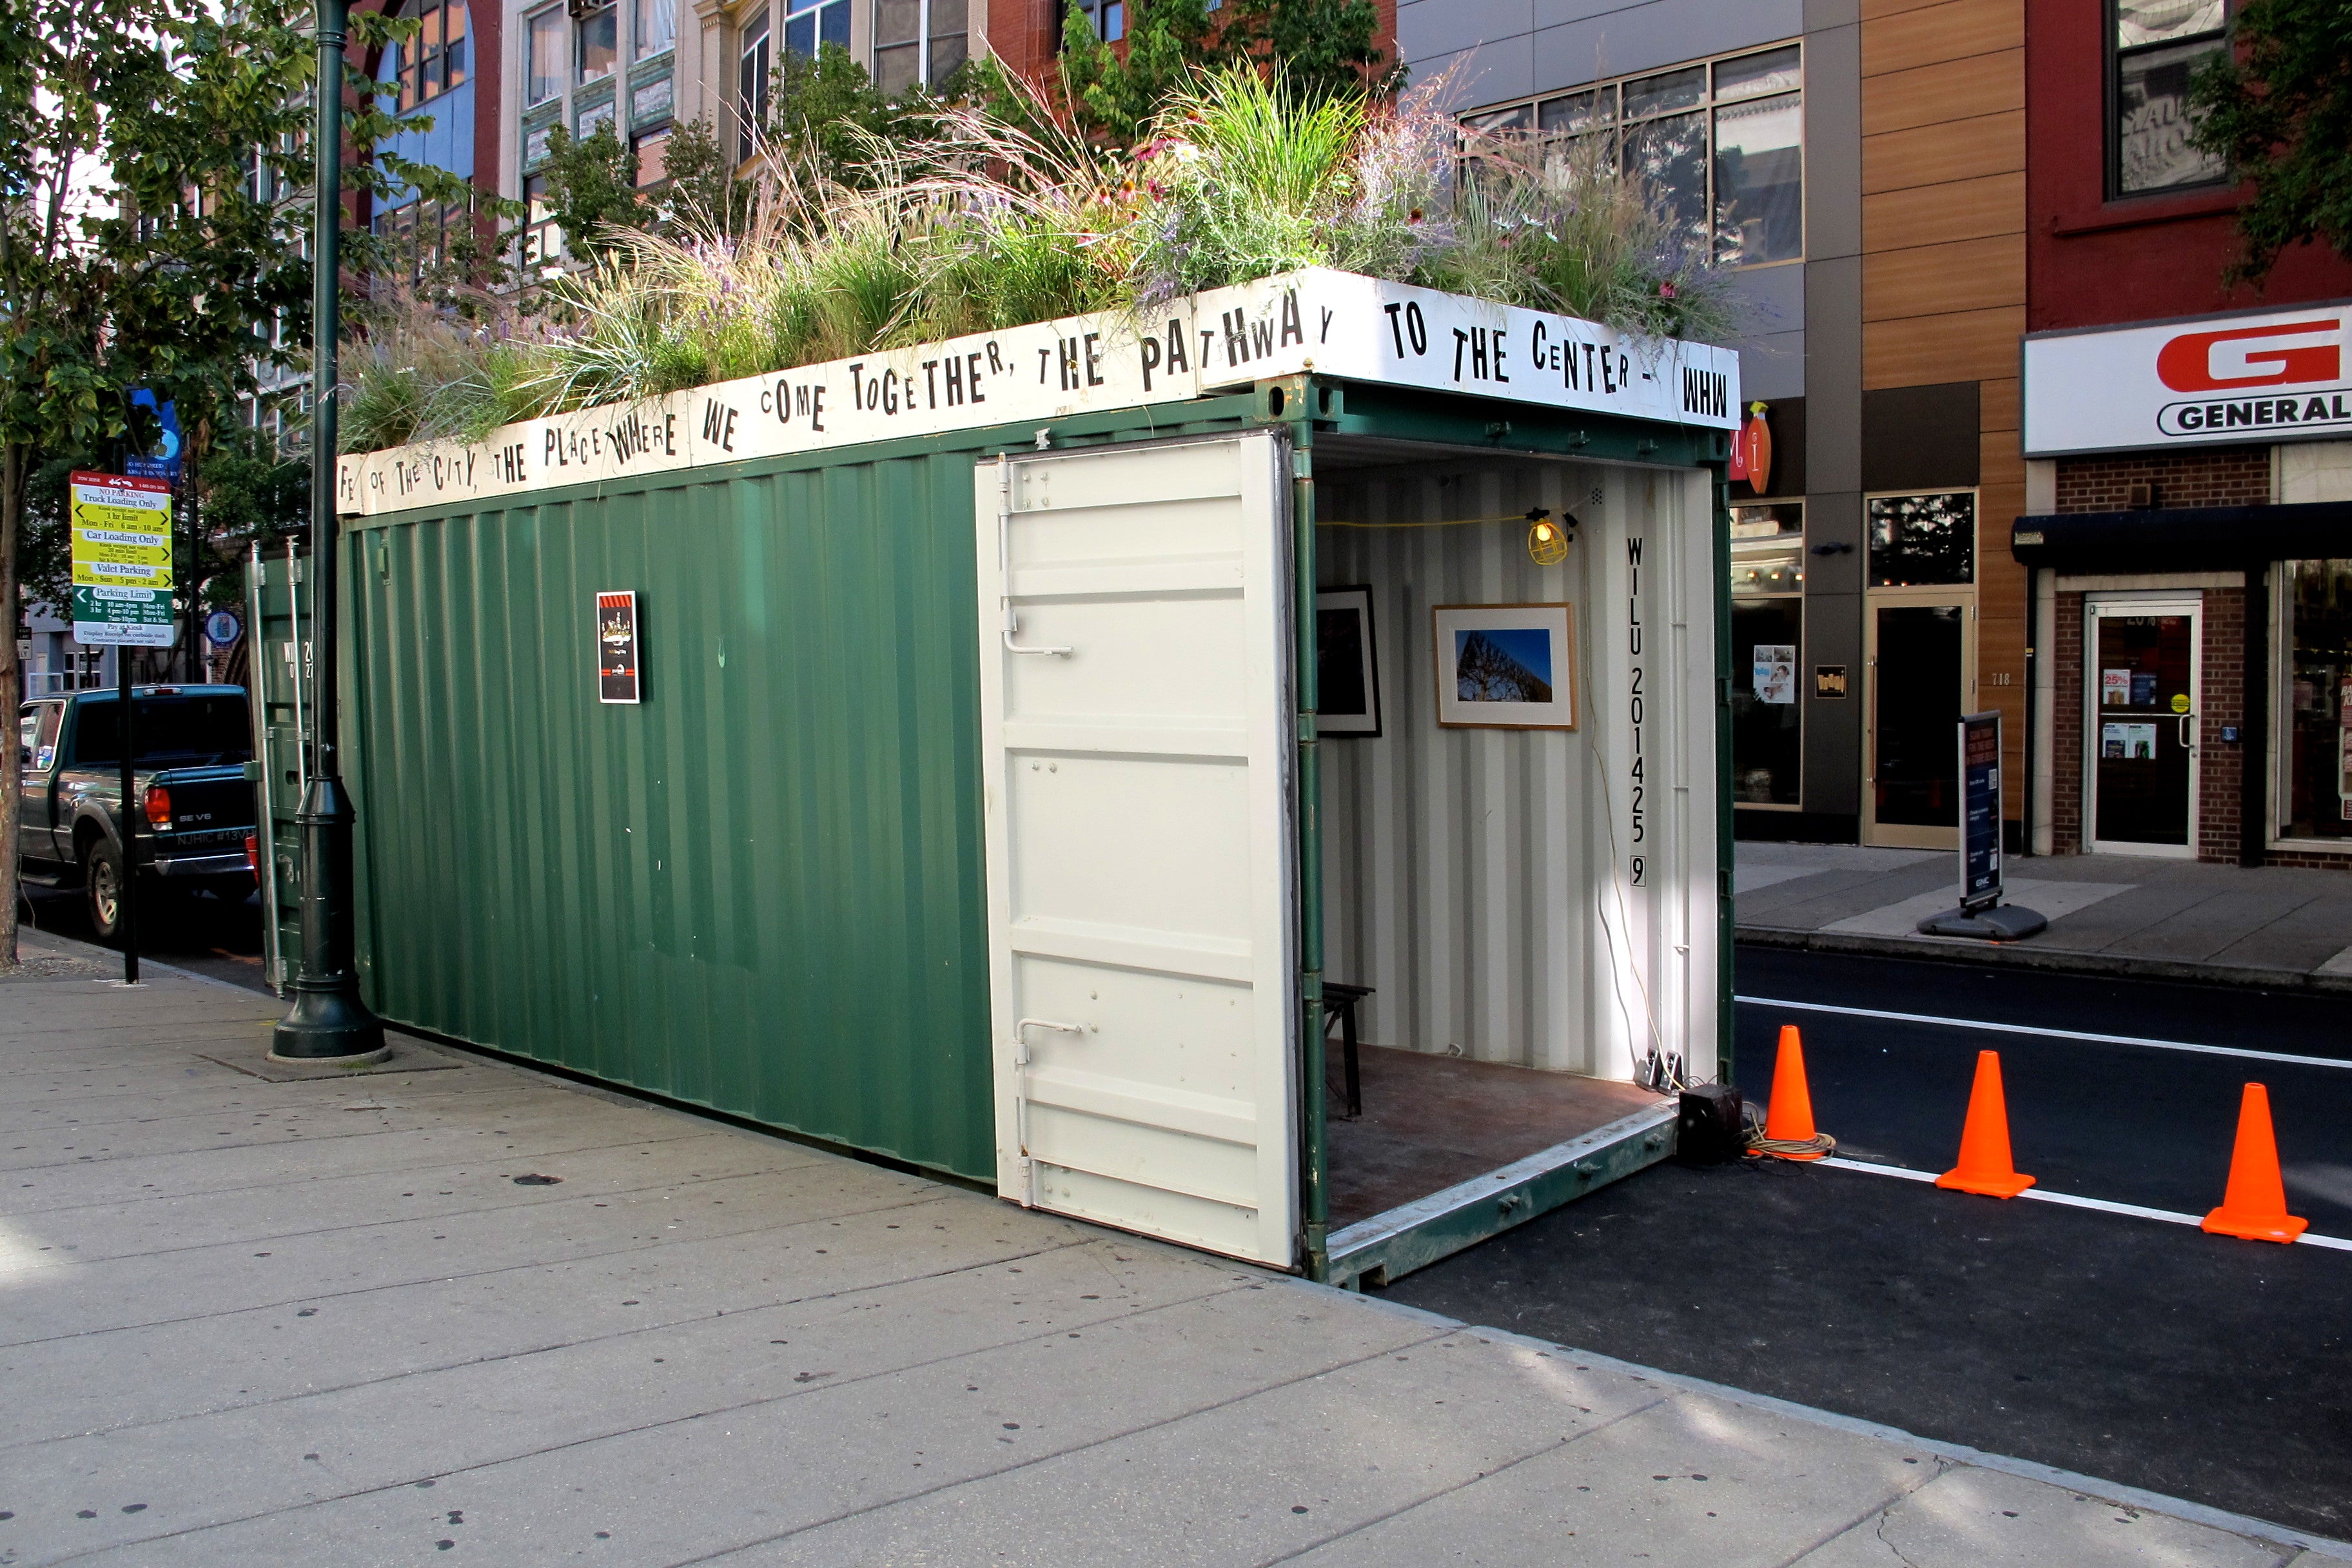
x,y
1980,810
121,561
2269,375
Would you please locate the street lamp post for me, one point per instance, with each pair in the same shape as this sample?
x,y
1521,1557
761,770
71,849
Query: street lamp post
x,y
328,1021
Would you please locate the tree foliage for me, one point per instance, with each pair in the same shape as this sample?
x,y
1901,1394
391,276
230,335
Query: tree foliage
x,y
1325,48
152,157
592,187
2278,106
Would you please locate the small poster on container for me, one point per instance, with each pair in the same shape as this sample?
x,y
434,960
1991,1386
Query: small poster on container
x,y
617,646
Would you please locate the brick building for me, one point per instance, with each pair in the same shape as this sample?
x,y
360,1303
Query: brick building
x,y
2188,514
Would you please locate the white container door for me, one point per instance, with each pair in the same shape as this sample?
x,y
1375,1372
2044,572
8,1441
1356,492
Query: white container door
x,y
1135,723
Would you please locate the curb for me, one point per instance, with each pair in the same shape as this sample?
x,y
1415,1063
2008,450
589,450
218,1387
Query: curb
x,y
2054,961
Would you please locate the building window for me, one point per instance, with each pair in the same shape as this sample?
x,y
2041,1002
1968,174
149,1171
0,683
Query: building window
x,y
1923,540
544,65
917,43
653,153
810,25
1107,17
653,27
752,86
2315,738
597,36
1767,647
2157,46
1721,143
433,61
542,237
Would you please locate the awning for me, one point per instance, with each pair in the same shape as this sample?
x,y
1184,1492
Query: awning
x,y
2180,539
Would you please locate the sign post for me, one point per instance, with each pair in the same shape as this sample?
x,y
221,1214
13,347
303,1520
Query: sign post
x,y
122,598
1981,913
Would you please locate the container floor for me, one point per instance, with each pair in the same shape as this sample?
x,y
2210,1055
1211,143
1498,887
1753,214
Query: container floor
x,y
1430,1121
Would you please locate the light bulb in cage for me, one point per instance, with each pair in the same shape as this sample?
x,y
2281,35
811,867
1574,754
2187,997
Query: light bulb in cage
x,y
1548,539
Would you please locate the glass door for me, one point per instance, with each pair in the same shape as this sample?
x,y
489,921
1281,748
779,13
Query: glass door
x,y
1922,656
2143,743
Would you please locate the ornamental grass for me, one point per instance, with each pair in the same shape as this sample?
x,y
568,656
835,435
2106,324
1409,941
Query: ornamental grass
x,y
988,225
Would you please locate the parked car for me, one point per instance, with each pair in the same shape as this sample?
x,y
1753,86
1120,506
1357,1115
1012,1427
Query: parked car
x,y
196,805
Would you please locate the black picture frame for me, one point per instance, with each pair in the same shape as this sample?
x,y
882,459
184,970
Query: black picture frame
x,y
1346,664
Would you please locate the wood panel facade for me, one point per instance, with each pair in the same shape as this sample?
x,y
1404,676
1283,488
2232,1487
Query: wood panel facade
x,y
1943,272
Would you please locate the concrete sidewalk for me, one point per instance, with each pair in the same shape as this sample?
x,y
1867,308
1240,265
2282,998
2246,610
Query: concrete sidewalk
x,y
2109,914
457,1307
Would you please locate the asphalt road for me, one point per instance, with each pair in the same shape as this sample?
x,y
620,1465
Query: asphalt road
x,y
201,933
2146,1352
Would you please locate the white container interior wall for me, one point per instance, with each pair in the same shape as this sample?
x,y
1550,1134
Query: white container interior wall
x,y
1536,897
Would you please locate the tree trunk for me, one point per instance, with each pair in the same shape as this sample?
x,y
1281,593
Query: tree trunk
x,y
12,681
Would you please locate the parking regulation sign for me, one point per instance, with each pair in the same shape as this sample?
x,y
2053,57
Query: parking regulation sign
x,y
121,561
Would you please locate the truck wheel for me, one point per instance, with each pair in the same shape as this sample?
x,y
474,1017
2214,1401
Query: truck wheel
x,y
101,881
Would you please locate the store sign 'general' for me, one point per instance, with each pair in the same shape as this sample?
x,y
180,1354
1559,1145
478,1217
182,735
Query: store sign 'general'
x,y
1226,340
2278,376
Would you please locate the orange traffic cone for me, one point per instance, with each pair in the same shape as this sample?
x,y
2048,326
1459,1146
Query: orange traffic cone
x,y
2255,1206
1984,1166
1790,1118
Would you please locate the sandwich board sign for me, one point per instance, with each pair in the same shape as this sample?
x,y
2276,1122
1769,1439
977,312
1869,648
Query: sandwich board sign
x,y
121,561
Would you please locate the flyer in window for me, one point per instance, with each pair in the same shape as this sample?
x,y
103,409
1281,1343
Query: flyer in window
x,y
1776,672
2114,687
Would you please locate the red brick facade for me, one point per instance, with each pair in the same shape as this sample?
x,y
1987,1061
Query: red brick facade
x,y
2220,699
2238,476
2066,730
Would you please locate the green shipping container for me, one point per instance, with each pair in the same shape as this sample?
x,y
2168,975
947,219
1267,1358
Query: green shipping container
x,y
764,887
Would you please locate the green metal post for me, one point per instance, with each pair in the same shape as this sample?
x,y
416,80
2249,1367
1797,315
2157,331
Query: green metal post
x,y
1315,1197
1720,487
328,1020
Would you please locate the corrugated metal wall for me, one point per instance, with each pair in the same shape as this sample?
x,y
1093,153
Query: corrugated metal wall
x,y
1474,877
760,890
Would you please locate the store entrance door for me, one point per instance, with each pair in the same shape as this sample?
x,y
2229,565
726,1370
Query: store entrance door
x,y
2142,701
1922,657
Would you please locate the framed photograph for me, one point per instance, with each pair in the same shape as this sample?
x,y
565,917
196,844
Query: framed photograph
x,y
1347,669
1507,666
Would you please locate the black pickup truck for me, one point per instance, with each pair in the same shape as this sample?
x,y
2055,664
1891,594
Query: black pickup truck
x,y
197,805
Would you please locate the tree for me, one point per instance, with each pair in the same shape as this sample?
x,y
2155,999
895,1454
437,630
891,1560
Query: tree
x,y
592,186
1324,46
2278,106
704,195
147,148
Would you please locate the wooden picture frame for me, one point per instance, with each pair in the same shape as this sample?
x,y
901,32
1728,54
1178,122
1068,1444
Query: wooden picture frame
x,y
1504,666
1346,664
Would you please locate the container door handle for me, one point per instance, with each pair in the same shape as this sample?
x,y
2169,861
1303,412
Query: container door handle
x,y
1004,565
1021,1031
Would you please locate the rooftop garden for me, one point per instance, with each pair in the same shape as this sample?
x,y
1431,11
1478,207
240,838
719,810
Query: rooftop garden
x,y
1008,210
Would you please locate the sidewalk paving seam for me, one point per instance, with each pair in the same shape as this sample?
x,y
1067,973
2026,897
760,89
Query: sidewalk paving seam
x,y
1554,1446
443,1278
1877,1516
1032,1462
1228,1287
664,1325
596,1195
2147,1501
160,1196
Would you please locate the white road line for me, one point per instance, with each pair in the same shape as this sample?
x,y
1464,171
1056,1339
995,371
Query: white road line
x,y
2171,1216
2050,1033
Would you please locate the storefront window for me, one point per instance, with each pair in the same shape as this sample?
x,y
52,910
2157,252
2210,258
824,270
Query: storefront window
x,y
2158,45
1923,540
2315,740
1768,618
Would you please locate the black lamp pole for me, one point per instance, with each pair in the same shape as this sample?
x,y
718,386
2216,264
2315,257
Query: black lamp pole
x,y
328,1020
